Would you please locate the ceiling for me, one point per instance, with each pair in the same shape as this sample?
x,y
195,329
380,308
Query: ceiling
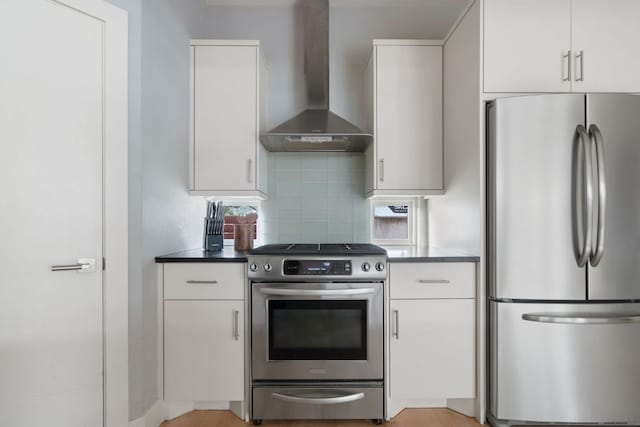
x,y
456,4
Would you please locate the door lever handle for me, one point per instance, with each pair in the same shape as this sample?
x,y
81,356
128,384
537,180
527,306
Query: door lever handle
x,y
82,265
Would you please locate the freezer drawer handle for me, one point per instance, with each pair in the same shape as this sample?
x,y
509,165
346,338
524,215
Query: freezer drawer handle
x,y
583,318
317,292
601,189
331,399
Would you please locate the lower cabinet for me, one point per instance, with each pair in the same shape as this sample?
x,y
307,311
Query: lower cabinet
x,y
204,350
432,349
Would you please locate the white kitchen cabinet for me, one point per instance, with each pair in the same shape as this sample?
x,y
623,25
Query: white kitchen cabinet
x,y
432,350
431,333
607,33
228,105
404,97
561,46
204,350
526,45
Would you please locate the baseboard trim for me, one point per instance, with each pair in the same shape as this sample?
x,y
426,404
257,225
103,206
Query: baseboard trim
x,y
153,418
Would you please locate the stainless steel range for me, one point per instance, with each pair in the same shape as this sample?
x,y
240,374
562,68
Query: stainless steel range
x,y
317,316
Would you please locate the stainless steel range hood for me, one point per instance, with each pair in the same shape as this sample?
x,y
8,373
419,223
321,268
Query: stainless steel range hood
x,y
316,128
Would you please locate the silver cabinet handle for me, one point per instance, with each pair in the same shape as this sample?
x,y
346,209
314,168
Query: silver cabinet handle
x,y
331,399
601,188
583,318
84,265
584,201
202,282
236,327
580,59
381,169
567,56
249,171
317,292
434,281
396,327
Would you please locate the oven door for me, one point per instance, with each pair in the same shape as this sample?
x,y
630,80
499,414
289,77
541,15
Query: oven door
x,y
317,331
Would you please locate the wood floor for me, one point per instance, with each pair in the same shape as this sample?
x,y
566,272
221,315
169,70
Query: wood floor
x,y
407,418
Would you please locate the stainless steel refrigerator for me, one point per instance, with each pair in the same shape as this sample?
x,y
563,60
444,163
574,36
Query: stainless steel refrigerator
x,y
564,259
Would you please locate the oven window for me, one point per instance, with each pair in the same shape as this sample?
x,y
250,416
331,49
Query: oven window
x,y
317,330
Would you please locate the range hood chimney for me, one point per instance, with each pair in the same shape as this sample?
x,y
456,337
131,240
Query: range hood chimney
x,y
316,128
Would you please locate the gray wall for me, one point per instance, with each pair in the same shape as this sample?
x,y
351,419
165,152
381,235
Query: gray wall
x,y
455,220
161,214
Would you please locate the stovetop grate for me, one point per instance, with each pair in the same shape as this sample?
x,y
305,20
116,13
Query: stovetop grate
x,y
319,249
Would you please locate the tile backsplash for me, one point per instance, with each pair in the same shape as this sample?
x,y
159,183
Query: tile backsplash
x,y
316,198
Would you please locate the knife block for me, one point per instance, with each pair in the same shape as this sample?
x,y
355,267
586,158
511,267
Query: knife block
x,y
213,242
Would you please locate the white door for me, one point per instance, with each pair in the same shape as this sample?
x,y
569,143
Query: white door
x,y
607,34
526,45
225,124
432,349
203,350
409,117
51,151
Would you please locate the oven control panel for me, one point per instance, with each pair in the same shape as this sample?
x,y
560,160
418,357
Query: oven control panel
x,y
268,267
312,267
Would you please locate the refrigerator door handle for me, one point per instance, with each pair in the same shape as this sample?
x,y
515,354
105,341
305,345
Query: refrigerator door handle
x,y
601,188
583,199
583,318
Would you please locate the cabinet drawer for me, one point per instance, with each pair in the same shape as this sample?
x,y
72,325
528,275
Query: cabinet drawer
x,y
432,280
204,281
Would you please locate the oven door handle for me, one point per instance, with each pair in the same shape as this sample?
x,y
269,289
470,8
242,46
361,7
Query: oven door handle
x,y
317,292
331,399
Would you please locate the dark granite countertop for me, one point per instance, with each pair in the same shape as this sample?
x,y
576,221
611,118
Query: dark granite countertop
x,y
394,253
428,254
228,254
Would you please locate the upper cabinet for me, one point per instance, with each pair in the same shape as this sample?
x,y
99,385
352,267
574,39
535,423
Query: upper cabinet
x,y
605,35
404,95
227,115
561,46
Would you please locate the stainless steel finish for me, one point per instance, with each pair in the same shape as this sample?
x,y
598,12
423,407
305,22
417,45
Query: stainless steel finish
x,y
264,369
249,171
316,128
618,118
253,267
380,266
82,265
236,329
559,372
267,267
529,197
319,397
580,58
275,273
381,170
567,56
597,246
202,282
434,281
271,402
316,292
396,324
583,198
366,266
583,319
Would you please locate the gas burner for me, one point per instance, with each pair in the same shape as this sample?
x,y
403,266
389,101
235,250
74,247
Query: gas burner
x,y
338,249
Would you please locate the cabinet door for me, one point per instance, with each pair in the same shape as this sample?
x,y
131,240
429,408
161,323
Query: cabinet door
x,y
432,350
203,350
409,117
606,32
526,45
224,113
